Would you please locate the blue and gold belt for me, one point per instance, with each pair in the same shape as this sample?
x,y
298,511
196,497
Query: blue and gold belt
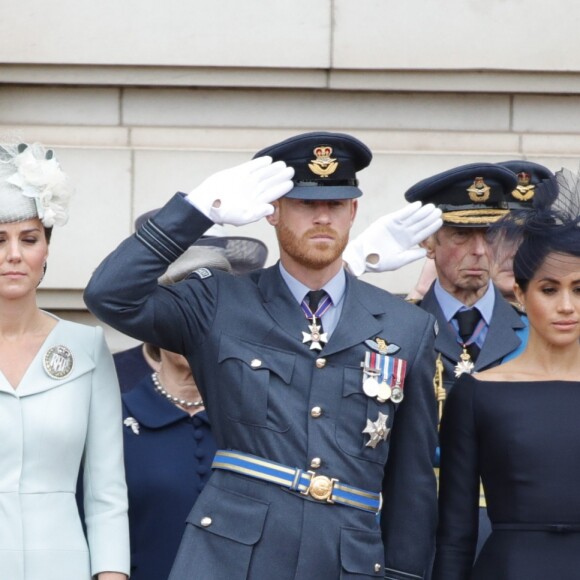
x,y
307,483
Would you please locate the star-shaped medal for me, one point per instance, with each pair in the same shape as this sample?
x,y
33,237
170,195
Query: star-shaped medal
x,y
315,336
377,430
464,365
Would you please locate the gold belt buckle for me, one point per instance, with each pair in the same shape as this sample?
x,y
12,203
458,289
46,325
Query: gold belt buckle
x,y
320,487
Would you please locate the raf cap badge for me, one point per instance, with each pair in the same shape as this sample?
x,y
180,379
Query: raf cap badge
x,y
58,362
323,165
478,191
377,430
524,190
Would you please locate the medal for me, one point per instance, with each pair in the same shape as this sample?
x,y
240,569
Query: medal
x,y
58,362
384,392
376,430
464,365
397,395
316,337
371,387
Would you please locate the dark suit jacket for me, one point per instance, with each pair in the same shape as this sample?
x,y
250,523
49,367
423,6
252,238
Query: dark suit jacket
x,y
222,324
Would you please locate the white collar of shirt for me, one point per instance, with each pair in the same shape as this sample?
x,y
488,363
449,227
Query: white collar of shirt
x,y
450,305
335,287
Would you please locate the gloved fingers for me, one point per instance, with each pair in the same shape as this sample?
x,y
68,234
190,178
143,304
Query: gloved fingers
x,y
255,164
401,259
276,185
422,230
403,214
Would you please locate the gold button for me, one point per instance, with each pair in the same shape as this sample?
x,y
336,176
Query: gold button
x,y
316,412
256,363
320,363
206,522
316,462
378,567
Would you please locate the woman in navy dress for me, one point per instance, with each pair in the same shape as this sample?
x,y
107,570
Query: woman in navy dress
x,y
517,426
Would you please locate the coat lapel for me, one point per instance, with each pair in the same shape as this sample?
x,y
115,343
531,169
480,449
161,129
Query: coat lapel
x,y
280,304
357,320
36,379
501,338
445,341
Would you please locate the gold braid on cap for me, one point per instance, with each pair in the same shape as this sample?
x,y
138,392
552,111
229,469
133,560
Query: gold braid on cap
x,y
474,216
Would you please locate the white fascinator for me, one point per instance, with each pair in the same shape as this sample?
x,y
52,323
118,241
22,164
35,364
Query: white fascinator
x,y
32,185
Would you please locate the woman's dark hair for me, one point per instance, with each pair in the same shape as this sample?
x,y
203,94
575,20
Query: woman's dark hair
x,y
551,227
47,234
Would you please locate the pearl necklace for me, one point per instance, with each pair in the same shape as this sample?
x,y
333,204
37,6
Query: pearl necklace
x,y
176,400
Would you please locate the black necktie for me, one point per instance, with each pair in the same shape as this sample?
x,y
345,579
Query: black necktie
x,y
467,321
314,298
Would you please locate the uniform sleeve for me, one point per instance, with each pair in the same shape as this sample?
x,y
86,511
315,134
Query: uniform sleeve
x,y
408,517
459,485
105,490
124,293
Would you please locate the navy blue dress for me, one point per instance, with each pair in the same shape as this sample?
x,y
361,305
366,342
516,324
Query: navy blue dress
x,y
523,438
167,462
130,365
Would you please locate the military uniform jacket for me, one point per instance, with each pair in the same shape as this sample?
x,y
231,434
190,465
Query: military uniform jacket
x,y
243,339
501,340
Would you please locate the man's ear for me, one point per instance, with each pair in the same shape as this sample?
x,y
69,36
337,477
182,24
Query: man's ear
x,y
275,217
429,245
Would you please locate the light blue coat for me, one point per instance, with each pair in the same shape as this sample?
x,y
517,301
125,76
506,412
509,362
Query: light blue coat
x,y
49,429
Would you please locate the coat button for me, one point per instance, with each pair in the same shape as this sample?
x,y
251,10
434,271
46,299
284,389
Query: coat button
x,y
378,567
316,412
316,462
320,363
206,522
256,363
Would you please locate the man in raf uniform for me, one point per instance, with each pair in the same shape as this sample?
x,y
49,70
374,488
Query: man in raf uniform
x,y
321,402
478,328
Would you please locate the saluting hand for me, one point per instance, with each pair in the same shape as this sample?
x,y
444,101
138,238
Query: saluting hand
x,y
243,194
390,242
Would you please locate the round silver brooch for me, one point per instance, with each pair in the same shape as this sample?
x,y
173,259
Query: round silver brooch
x,y
58,362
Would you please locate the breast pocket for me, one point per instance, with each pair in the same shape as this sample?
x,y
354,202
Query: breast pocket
x,y
355,409
257,380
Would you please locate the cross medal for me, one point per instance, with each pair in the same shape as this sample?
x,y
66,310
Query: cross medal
x,y
315,337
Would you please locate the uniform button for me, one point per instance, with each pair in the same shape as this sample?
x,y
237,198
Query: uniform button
x,y
256,363
316,462
320,363
206,522
378,567
316,412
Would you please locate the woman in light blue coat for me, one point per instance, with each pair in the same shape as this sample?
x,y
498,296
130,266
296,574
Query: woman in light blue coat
x,y
60,408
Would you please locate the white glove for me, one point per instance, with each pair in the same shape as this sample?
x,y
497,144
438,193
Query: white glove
x,y
243,194
389,243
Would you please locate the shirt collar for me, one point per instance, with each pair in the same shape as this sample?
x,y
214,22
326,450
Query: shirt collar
x,y
335,287
450,305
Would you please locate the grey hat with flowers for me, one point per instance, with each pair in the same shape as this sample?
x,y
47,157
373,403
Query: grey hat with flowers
x,y
32,185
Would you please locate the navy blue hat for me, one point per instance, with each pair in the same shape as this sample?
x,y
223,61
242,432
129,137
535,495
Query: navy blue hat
x,y
325,164
473,195
529,175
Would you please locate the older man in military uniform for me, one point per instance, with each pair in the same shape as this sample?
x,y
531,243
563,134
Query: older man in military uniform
x,y
321,402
